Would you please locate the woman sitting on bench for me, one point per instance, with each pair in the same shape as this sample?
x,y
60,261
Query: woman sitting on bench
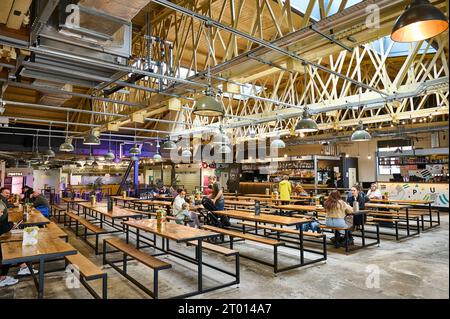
x,y
336,209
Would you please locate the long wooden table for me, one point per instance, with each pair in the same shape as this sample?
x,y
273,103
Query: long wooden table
x,y
282,221
73,201
35,218
102,210
47,248
397,208
180,234
125,200
151,203
426,203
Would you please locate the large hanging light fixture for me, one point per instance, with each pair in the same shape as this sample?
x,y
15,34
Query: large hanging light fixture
x,y
90,158
186,153
135,150
277,143
110,155
306,124
361,135
208,105
67,145
420,20
50,152
157,157
169,145
91,139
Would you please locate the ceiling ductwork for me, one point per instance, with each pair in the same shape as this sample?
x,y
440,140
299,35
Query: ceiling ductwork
x,y
97,30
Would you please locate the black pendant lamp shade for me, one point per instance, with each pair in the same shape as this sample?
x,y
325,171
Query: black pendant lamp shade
x,y
420,20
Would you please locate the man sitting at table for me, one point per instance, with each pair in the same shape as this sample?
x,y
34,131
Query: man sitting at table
x,y
374,192
6,226
41,203
4,196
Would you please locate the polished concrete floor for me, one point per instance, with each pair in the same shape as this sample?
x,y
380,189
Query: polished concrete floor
x,y
414,268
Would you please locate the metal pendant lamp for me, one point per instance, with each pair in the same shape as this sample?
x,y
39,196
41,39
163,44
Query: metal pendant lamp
x,y
169,145
361,135
186,153
135,150
110,155
306,124
90,158
50,152
157,157
91,139
420,20
67,145
208,105
277,143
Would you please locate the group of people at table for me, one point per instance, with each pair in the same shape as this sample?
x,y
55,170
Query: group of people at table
x,y
336,210
7,201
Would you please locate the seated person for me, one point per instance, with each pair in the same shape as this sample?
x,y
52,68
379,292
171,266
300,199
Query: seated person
x,y
361,198
374,192
6,226
300,190
336,209
5,194
41,203
312,225
27,191
185,214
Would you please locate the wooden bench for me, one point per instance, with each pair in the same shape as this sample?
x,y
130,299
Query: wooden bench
x,y
233,233
215,248
283,230
222,251
259,239
56,211
94,229
89,271
144,258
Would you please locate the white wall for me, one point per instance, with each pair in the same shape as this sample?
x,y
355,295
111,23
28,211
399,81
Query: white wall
x,y
50,177
366,167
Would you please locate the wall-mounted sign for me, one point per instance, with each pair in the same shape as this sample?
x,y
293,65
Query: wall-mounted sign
x,y
12,174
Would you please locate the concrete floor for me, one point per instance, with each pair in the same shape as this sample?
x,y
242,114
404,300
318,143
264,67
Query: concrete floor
x,y
414,268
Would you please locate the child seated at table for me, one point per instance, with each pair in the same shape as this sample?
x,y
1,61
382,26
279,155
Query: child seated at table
x,y
185,215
